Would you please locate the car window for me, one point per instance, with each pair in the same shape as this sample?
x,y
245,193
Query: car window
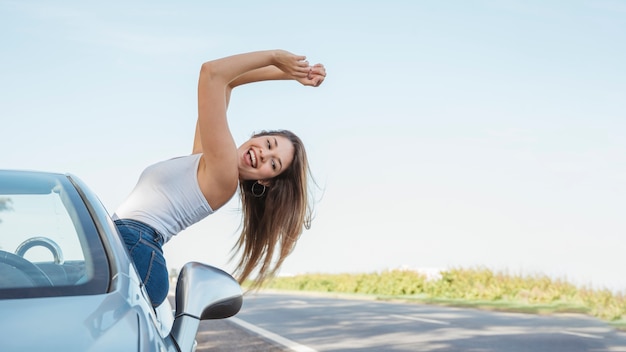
x,y
48,243
52,223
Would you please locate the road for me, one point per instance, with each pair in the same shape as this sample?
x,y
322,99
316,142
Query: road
x,y
307,323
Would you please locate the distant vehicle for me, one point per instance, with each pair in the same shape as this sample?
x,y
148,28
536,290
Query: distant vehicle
x,y
67,283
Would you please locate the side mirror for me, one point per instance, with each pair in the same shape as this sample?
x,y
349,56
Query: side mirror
x,y
202,292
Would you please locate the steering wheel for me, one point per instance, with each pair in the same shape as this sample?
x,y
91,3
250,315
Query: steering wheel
x,y
44,242
32,271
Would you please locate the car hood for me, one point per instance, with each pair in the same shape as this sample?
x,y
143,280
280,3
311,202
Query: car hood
x,y
85,323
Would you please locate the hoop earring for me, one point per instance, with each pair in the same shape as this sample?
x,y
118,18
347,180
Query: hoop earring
x,y
256,191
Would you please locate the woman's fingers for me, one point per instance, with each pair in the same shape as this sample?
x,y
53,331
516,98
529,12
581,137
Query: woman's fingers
x,y
294,65
318,81
317,70
299,68
317,74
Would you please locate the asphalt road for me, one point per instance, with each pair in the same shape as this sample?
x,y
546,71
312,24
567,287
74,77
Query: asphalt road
x,y
224,336
309,323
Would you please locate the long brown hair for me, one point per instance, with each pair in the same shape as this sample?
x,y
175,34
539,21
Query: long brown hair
x,y
275,219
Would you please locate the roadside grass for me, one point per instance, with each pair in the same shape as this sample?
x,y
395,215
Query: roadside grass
x,y
479,288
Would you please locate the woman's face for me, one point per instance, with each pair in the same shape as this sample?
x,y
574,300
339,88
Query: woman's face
x,y
264,157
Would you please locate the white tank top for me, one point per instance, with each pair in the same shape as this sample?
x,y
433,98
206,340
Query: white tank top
x,y
167,197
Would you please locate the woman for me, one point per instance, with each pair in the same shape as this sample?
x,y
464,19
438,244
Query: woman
x,y
270,171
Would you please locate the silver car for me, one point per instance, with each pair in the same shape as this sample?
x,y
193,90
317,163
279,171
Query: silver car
x,y
67,283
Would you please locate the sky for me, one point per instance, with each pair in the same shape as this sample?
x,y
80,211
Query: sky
x,y
448,134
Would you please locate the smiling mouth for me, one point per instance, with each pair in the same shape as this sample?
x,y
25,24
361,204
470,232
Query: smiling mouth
x,y
252,158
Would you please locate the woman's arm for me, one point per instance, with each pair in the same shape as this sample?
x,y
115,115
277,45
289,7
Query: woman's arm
x,y
315,75
218,172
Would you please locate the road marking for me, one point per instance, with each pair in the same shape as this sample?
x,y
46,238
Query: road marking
x,y
293,346
424,320
293,301
580,334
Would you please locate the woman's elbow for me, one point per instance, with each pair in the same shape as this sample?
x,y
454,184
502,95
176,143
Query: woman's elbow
x,y
207,70
211,73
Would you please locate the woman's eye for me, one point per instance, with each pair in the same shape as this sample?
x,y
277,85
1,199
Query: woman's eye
x,y
269,145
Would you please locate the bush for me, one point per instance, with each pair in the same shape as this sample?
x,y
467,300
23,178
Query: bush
x,y
478,284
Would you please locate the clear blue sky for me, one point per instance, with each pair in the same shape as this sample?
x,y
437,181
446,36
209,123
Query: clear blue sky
x,y
447,134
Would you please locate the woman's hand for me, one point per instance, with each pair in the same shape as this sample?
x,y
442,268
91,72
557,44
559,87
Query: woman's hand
x,y
296,67
317,74
293,65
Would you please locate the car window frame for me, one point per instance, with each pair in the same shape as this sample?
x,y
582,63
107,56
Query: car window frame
x,y
79,211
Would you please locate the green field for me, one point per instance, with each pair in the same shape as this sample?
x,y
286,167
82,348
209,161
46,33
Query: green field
x,y
479,288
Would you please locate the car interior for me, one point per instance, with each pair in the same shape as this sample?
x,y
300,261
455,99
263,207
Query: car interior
x,y
47,238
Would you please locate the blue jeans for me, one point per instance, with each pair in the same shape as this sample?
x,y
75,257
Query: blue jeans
x,y
144,246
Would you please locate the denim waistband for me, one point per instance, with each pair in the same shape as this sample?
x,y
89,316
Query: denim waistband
x,y
143,227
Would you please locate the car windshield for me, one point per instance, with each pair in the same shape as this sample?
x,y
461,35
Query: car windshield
x,y
49,245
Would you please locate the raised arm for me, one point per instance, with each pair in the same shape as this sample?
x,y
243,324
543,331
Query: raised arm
x,y
218,172
315,75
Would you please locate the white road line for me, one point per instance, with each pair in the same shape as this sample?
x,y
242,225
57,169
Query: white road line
x,y
293,346
580,334
424,320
